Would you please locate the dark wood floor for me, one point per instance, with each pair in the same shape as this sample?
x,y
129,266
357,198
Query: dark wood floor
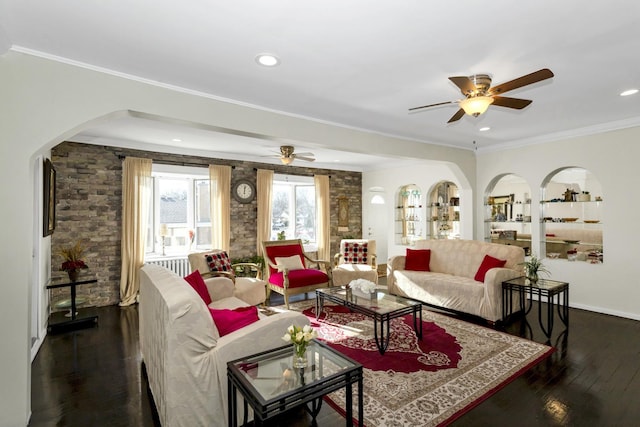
x,y
92,377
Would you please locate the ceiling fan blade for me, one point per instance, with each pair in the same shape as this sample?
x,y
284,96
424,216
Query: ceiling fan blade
x,y
303,154
517,103
465,84
432,105
306,159
457,116
534,77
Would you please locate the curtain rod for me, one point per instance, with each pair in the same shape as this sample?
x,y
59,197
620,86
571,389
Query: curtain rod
x,y
179,163
174,162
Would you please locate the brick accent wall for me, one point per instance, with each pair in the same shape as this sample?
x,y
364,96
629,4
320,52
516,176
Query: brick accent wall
x,y
89,207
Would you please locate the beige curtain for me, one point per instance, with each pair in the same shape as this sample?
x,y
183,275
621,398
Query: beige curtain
x,y
220,193
264,188
323,222
136,197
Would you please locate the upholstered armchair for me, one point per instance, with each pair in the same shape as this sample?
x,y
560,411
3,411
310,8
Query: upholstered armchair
x,y
356,260
216,263
289,271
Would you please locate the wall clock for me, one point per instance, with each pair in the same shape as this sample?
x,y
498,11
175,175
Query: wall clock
x,y
243,191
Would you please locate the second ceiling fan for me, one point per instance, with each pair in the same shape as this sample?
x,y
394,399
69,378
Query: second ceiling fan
x,y
479,94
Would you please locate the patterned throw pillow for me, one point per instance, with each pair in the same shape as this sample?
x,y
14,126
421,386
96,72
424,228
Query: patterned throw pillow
x,y
355,253
218,261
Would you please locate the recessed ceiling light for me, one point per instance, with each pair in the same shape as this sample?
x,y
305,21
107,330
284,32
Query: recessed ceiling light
x,y
629,92
484,129
267,60
176,140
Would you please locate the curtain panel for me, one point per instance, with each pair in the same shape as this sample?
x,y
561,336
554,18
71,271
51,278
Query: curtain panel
x,y
323,219
264,186
220,193
136,197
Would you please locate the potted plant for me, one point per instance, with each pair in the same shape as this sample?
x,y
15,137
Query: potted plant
x,y
533,268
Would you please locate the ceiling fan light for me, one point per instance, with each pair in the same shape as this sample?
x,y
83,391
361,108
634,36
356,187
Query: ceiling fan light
x,y
286,160
476,105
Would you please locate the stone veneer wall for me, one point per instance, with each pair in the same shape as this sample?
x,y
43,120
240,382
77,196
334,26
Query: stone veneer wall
x,y
89,207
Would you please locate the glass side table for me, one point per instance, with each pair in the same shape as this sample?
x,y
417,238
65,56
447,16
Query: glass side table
x,y
75,322
270,385
553,292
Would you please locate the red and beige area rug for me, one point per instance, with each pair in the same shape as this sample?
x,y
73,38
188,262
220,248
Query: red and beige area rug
x,y
428,382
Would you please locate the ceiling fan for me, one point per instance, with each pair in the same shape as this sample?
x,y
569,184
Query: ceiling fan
x,y
479,94
287,155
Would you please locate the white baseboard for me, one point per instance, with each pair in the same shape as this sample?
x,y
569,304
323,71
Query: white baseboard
x,y
632,316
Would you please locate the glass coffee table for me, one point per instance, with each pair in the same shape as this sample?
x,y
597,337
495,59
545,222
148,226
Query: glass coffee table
x,y
270,385
382,308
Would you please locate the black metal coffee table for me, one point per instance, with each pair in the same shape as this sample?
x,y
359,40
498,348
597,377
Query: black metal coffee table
x,y
270,385
381,309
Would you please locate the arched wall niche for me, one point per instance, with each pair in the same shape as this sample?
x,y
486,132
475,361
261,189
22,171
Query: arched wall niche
x,y
572,210
443,211
508,211
409,221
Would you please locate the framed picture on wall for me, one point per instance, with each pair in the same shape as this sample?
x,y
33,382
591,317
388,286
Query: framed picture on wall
x,y
49,199
343,211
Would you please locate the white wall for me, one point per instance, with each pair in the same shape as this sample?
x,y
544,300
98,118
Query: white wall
x,y
45,102
613,157
424,174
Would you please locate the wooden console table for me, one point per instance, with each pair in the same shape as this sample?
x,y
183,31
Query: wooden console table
x,y
75,322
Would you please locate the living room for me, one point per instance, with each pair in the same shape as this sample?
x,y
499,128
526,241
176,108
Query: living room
x,y
47,102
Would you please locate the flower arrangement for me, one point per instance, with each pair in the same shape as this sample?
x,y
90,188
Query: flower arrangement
x,y
300,337
363,285
72,256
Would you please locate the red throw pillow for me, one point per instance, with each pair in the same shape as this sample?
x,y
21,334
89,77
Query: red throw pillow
x,y
418,259
228,321
488,263
197,283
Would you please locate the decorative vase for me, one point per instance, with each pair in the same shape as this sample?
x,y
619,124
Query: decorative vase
x,y
532,276
73,275
300,355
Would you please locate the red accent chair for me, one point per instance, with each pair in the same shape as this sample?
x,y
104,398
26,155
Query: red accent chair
x,y
287,279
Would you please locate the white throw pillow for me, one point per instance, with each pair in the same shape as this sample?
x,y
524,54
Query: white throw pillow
x,y
292,262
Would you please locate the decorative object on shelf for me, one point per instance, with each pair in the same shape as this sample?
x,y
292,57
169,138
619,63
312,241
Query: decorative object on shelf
x,y
572,255
533,268
73,262
300,338
584,197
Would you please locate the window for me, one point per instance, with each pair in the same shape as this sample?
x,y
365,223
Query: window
x,y
180,219
293,214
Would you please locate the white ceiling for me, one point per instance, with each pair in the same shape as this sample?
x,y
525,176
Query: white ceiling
x,y
356,63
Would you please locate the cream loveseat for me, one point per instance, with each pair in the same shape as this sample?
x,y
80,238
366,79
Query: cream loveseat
x,y
184,356
450,283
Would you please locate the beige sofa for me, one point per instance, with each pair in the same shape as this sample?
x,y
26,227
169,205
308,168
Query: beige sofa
x,y
450,284
184,356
